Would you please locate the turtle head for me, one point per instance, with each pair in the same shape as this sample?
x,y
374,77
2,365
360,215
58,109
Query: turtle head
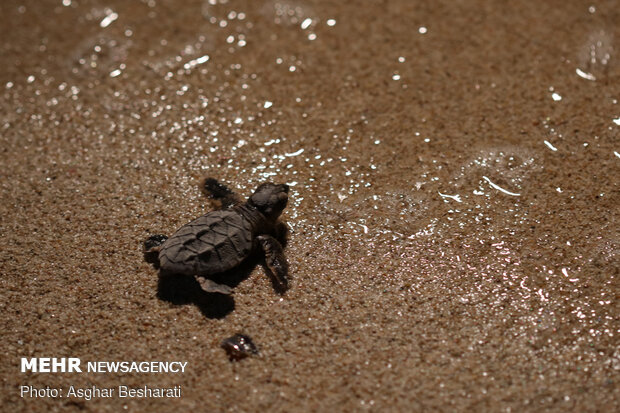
x,y
270,199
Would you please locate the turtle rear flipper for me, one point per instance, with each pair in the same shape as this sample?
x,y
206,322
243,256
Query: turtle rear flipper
x,y
275,261
151,247
219,194
211,286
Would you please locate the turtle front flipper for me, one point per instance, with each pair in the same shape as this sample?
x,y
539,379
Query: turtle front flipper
x,y
219,194
211,286
277,266
151,248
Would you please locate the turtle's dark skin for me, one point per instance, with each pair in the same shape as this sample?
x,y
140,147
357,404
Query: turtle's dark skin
x,y
221,240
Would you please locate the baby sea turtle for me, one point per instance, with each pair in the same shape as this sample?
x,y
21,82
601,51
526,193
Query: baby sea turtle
x,y
221,240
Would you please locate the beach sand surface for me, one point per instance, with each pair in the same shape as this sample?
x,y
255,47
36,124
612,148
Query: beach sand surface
x,y
454,207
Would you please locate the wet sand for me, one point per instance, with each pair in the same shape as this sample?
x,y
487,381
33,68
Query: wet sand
x,y
454,200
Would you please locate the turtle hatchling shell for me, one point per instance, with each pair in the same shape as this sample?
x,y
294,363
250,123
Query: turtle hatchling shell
x,y
211,244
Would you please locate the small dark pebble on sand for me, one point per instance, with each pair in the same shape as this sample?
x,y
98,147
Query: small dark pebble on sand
x,y
239,347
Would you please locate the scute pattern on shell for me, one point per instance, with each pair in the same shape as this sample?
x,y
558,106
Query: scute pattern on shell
x,y
210,244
